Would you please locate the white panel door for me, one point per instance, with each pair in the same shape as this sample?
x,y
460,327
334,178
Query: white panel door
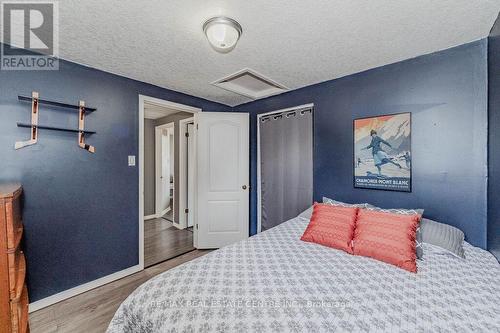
x,y
222,196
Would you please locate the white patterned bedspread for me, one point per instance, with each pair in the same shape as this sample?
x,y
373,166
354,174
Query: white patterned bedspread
x,y
273,282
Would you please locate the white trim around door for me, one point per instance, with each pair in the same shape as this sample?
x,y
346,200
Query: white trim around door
x,y
183,174
259,189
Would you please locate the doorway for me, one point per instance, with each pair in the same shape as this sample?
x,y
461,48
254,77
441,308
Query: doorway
x,y
161,235
214,147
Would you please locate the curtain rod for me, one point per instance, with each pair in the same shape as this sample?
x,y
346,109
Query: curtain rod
x,y
287,113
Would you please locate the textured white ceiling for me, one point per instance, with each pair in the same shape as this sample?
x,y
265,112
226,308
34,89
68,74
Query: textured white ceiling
x,y
153,111
296,43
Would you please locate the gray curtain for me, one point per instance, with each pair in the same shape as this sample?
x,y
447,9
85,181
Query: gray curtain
x,y
286,161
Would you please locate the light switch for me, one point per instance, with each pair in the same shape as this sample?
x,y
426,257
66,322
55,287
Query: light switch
x,y
131,160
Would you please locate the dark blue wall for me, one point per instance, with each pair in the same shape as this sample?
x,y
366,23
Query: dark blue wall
x,y
494,140
446,92
81,210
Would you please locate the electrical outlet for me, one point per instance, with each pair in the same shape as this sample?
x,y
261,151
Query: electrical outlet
x,y
131,160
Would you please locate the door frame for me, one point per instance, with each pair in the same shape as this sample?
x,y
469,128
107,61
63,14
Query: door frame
x,y
172,105
158,170
182,223
259,189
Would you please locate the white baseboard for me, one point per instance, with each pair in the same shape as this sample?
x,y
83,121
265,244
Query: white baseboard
x,y
40,304
150,217
178,226
168,209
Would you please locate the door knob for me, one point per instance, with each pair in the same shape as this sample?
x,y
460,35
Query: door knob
x,y
244,187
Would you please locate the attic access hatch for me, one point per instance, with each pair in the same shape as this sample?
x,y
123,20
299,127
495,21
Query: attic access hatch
x,y
251,84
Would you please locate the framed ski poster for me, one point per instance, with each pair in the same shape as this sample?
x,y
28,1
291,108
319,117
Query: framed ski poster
x,y
382,152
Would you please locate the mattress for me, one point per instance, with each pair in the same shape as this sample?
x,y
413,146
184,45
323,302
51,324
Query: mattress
x,y
273,282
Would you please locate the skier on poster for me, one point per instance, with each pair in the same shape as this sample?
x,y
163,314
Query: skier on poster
x,y
407,158
380,157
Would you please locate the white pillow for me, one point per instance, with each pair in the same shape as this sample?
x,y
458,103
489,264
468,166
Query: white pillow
x,y
343,204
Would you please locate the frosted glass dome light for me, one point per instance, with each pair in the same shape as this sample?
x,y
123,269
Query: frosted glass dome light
x,y
222,33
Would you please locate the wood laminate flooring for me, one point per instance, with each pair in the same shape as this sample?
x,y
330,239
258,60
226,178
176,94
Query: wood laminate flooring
x,y
163,241
92,311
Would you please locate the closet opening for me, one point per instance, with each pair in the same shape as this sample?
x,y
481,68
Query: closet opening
x,y
284,164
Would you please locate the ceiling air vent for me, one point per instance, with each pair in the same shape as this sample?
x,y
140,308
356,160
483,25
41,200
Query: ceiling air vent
x,y
251,84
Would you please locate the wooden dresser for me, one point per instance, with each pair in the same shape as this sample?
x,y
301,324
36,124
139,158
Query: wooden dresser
x,y
14,294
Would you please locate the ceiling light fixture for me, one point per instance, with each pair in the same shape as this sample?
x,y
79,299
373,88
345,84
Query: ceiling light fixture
x,y
222,33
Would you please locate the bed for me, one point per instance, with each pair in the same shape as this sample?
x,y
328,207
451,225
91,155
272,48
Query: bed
x,y
273,282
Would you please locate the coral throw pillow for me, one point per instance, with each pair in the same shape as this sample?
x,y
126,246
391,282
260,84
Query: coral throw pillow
x,y
387,237
332,226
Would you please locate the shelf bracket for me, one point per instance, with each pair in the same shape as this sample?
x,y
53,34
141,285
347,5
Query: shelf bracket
x,y
34,123
81,129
